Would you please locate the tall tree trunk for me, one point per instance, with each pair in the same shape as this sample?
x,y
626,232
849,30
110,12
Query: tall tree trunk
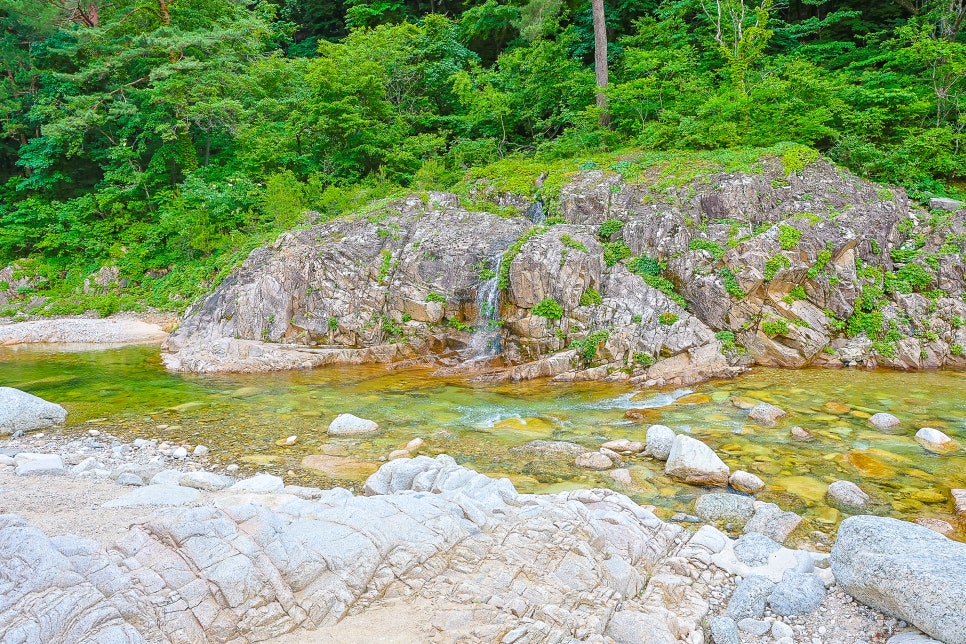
x,y
600,59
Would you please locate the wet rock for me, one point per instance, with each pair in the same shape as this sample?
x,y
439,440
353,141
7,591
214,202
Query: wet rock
x,y
800,434
624,446
904,570
746,482
259,484
936,525
847,494
206,481
959,505
797,594
349,425
724,507
127,478
338,466
883,420
750,597
771,521
660,439
766,414
21,412
38,464
724,631
935,441
550,448
691,461
155,495
753,549
594,461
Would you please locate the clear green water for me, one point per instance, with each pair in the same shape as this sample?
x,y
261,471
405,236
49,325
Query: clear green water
x,y
126,391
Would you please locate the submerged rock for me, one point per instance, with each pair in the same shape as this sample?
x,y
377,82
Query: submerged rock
x,y
935,441
883,420
746,482
338,466
766,414
904,570
20,411
724,507
848,494
692,461
594,461
659,439
625,446
349,425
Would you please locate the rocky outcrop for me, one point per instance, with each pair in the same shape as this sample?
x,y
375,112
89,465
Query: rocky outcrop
x,y
20,411
686,282
904,570
108,331
488,563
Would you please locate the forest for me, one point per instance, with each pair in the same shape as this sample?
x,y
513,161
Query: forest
x,y
168,138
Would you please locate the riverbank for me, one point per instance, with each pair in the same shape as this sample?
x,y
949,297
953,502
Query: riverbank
x,y
471,561
117,330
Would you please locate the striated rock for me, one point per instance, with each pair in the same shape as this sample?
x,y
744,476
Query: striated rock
x,y
746,482
20,411
660,439
883,420
691,461
935,441
724,507
594,461
766,414
349,425
155,495
848,495
904,570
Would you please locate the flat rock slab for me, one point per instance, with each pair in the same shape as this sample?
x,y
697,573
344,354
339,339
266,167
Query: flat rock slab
x,y
37,464
155,495
904,570
338,466
81,331
20,411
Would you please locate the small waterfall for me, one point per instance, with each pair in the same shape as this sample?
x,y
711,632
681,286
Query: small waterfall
x,y
485,342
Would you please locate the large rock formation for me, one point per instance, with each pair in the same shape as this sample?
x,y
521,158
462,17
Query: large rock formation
x,y
486,560
904,570
20,411
775,267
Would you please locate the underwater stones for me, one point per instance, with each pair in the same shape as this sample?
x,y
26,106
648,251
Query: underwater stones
x,y
883,420
338,466
868,465
772,522
550,448
743,402
798,593
38,464
936,525
693,399
349,425
746,482
837,408
691,461
766,413
800,434
935,441
848,495
905,570
660,439
22,412
804,487
593,461
624,446
642,414
959,505
724,507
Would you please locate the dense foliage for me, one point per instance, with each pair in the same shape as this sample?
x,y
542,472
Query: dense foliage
x,y
168,137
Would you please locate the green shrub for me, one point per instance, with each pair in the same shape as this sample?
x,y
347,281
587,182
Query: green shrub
x,y
706,244
823,258
487,274
333,324
548,308
385,266
727,339
587,348
795,159
637,318
459,325
667,318
956,349
915,275
615,252
643,359
775,264
610,228
775,326
570,242
644,265
788,236
591,297
731,283
433,296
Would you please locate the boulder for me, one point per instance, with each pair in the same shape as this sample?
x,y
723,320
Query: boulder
x,y
34,464
206,481
349,425
691,461
724,507
20,411
848,495
904,570
594,461
800,433
756,627
659,439
766,414
724,631
797,594
944,203
771,521
754,549
750,597
746,482
883,420
624,446
935,441
959,505
127,478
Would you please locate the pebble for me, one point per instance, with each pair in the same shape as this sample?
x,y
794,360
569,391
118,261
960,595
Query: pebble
x,y
780,630
127,478
179,453
231,469
93,432
202,450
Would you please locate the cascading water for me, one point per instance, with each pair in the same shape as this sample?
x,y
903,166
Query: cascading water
x,y
485,342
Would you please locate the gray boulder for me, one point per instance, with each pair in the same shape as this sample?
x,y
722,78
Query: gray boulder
x,y
883,420
20,411
848,495
659,440
754,549
349,425
724,631
34,464
724,507
766,414
694,462
904,570
771,521
206,481
750,598
798,593
944,203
